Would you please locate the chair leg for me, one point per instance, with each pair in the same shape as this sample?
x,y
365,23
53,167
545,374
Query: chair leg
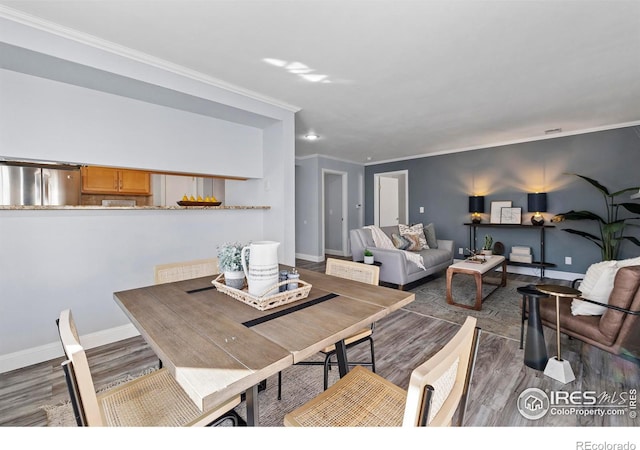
x,y
328,363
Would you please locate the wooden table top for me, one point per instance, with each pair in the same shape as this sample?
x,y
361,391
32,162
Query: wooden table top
x,y
218,347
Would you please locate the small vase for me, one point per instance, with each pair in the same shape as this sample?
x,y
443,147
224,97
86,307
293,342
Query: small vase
x,y
487,252
368,259
234,279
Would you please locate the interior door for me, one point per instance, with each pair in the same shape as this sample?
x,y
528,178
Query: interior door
x,y
333,219
389,203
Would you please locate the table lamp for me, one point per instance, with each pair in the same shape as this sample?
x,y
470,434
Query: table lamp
x,y
537,203
476,206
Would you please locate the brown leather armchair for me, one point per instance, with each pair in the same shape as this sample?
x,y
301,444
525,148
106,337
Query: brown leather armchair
x,y
618,330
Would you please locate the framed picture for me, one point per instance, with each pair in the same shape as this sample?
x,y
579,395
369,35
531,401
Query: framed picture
x,y
511,215
496,210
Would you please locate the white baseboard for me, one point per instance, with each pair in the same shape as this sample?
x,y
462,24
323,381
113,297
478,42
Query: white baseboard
x,y
47,352
328,251
312,258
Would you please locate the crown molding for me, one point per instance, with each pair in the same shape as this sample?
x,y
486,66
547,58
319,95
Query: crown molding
x,y
512,142
134,55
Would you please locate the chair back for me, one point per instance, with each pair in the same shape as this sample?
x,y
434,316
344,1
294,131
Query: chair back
x,y
364,273
441,384
167,273
79,380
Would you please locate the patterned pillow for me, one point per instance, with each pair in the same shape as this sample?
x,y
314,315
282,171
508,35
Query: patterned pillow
x,y
416,243
400,242
414,229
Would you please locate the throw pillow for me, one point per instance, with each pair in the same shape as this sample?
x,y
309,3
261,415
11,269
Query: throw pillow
x,y
628,262
415,242
414,229
400,242
430,234
597,286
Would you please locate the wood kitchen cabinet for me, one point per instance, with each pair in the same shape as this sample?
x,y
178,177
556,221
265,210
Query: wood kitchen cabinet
x,y
107,180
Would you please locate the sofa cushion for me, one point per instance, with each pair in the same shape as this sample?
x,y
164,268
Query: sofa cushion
x,y
417,229
430,235
434,256
626,284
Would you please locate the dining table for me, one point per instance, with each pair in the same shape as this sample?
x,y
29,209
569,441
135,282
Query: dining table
x,y
218,347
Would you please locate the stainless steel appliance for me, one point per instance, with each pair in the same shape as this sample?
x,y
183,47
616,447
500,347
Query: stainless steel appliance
x,y
35,183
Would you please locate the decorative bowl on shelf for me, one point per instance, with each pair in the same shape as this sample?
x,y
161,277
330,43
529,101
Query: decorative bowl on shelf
x,y
191,203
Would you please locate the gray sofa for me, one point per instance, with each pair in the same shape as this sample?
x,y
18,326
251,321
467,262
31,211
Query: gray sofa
x,y
395,268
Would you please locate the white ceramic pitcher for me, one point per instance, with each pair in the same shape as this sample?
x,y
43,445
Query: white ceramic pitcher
x,y
263,266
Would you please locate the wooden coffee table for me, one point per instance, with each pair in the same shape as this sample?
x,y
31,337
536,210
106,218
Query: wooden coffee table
x,y
478,271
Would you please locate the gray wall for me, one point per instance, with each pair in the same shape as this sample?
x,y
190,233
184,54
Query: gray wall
x,y
443,183
309,202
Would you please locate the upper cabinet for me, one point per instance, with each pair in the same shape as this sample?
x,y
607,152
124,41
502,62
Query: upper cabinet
x,y
107,180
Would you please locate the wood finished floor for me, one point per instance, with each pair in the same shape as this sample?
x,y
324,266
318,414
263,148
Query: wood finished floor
x,y
403,340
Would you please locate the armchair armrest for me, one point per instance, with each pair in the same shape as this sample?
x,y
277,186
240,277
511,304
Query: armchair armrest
x,y
615,308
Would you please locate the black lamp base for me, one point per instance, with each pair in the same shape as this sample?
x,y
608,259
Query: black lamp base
x,y
537,221
476,220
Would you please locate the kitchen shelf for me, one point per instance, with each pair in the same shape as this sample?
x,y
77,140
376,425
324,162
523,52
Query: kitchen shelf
x,y
136,208
542,264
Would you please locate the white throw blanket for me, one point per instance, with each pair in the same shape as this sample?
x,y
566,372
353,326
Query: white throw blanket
x,y
382,241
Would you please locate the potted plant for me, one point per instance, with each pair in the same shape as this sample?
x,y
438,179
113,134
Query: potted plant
x,y
611,226
230,263
368,257
488,244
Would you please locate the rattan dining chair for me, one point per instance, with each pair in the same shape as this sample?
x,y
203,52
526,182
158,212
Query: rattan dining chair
x,y
364,273
167,273
437,389
155,399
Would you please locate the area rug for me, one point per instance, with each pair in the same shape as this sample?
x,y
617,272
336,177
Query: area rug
x,y
500,313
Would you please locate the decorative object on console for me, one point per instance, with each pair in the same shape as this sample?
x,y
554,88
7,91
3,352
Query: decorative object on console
x,y
498,248
488,243
537,203
496,210
512,216
476,206
611,226
520,254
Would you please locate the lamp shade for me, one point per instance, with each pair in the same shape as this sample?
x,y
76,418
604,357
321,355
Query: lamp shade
x,y
537,202
476,204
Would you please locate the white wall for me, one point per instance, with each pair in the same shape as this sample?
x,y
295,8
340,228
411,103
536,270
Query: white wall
x,y
52,260
49,120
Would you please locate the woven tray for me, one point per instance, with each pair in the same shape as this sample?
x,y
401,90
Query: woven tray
x,y
264,302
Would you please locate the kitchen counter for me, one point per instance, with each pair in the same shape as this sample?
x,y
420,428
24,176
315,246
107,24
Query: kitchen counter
x,y
98,207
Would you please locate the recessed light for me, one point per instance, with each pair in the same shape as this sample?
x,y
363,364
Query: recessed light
x,y
314,78
312,137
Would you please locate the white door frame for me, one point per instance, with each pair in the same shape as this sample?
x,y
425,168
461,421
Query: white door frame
x,y
376,194
345,219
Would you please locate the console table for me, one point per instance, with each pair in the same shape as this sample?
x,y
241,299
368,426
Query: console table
x,y
542,264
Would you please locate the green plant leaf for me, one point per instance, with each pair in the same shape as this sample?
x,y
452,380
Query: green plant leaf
x,y
615,194
581,215
632,239
631,207
595,239
594,183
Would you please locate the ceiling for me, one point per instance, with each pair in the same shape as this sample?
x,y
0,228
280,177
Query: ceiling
x,y
402,78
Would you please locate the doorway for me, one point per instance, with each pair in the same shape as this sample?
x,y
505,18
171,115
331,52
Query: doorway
x,y
334,212
391,199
